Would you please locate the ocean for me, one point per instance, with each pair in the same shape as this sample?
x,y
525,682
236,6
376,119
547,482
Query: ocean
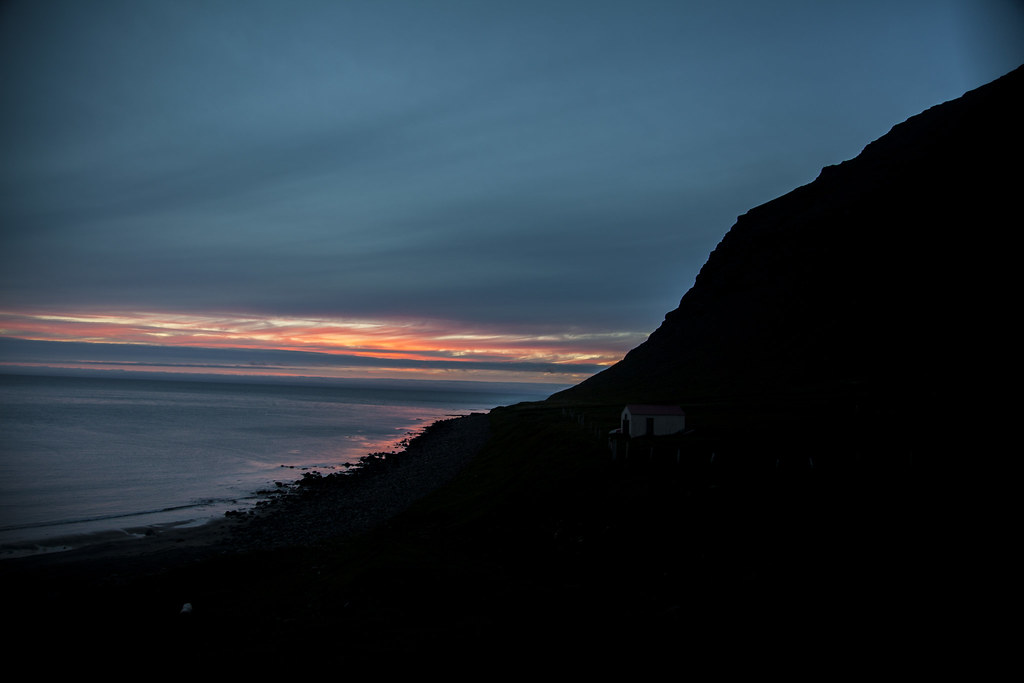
x,y
90,458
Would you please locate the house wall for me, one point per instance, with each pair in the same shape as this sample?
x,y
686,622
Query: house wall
x,y
663,424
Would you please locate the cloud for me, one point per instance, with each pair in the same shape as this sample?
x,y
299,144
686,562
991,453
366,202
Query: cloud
x,y
20,356
518,165
304,346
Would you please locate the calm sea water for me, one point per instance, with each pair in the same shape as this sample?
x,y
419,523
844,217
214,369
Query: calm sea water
x,y
81,456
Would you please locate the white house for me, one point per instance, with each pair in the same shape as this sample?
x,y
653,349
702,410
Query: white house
x,y
652,420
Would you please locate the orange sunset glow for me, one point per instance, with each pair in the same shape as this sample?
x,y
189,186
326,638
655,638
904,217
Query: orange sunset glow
x,y
388,348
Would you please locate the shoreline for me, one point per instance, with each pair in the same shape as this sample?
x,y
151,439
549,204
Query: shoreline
x,y
73,542
317,509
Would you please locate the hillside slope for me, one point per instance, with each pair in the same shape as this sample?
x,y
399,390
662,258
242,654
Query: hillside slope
x,y
875,285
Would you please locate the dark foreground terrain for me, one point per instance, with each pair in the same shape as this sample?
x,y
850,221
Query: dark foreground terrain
x,y
541,547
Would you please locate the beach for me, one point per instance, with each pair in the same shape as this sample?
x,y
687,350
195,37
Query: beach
x,y
56,591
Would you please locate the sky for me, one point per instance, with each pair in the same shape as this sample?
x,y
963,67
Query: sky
x,y
445,189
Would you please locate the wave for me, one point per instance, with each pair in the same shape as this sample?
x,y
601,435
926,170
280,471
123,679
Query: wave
x,y
209,502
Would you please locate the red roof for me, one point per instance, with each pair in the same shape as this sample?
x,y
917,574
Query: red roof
x,y
651,409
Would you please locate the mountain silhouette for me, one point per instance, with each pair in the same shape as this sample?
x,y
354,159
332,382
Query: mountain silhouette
x,y
875,294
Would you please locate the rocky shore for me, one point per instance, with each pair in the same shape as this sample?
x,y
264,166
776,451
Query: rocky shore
x,y
317,509
341,505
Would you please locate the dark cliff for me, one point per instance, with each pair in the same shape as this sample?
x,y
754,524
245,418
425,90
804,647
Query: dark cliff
x,y
877,284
